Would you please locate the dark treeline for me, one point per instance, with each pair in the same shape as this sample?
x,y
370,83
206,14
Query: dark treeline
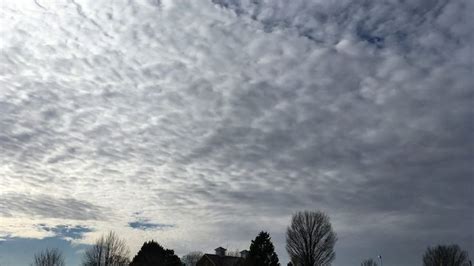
x,y
310,241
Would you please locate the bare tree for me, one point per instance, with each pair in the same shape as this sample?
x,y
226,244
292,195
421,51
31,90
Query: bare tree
x,y
108,250
233,253
310,239
445,255
192,258
49,257
369,262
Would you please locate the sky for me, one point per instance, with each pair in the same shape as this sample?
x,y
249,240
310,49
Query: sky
x,y
199,123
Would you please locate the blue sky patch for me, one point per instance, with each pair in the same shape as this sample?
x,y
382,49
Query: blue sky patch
x,y
20,251
145,225
67,231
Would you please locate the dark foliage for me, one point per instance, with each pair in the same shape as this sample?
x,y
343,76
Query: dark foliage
x,y
445,255
262,251
154,254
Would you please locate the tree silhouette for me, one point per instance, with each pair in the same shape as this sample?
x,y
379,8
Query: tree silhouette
x,y
369,262
49,257
262,251
108,250
154,254
451,255
192,258
310,239
233,253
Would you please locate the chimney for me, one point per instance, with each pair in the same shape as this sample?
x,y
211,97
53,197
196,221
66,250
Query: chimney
x,y
244,254
220,251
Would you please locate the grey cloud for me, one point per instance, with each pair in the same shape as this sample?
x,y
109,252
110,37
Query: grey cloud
x,y
400,23
50,207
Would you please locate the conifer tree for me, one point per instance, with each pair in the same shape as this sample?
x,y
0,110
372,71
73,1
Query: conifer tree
x,y
262,251
153,253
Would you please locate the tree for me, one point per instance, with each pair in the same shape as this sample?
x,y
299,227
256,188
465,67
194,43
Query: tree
x,y
369,262
262,251
310,239
451,255
108,250
49,257
192,258
154,254
233,253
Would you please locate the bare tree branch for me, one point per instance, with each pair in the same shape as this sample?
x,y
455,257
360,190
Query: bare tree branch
x,y
109,250
192,258
445,255
49,257
310,239
369,262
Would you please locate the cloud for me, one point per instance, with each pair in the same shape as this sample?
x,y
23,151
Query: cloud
x,y
49,207
211,115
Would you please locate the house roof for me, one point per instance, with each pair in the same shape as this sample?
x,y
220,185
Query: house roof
x,y
224,260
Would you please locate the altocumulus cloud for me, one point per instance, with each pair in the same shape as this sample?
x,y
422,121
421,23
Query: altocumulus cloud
x,y
49,207
224,117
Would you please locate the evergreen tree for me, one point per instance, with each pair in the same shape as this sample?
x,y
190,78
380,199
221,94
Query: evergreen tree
x,y
154,254
262,251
